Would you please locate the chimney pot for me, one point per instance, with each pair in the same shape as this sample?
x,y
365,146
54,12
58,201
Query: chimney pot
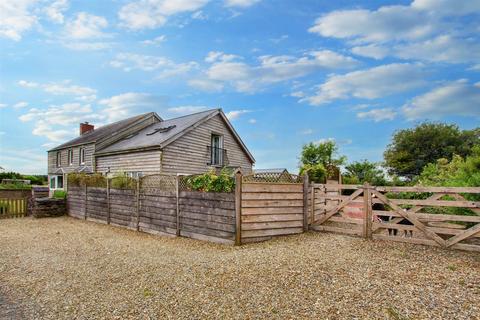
x,y
85,128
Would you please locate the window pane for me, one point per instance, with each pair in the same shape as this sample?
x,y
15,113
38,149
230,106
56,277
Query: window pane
x,y
59,182
52,182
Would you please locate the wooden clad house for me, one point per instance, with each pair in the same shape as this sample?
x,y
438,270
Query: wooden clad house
x,y
147,144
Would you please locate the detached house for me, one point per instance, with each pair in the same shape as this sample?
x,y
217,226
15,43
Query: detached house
x,y
147,144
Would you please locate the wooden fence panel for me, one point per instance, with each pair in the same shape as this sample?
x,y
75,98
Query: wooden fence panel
x,y
123,207
207,216
271,209
76,202
157,211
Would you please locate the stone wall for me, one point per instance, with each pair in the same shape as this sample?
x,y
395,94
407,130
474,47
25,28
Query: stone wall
x,y
48,207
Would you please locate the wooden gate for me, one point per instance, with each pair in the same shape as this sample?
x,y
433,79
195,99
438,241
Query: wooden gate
x,y
337,208
437,216
13,207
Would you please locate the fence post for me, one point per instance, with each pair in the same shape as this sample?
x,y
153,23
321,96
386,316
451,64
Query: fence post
x,y
108,200
367,210
305,202
138,203
86,201
238,208
312,205
177,191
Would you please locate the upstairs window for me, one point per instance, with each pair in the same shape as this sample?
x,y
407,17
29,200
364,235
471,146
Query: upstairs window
x,y
59,159
70,157
216,151
82,155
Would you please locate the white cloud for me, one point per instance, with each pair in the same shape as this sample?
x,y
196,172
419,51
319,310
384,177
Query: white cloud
x,y
372,51
131,61
378,115
3,105
66,88
458,98
16,18
56,123
149,14
27,84
62,88
428,30
86,26
54,11
443,48
206,85
240,3
235,114
85,32
123,105
20,105
252,121
386,23
306,132
182,110
199,15
155,41
228,69
371,83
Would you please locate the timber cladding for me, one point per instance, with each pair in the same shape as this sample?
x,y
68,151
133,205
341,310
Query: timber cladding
x,y
271,209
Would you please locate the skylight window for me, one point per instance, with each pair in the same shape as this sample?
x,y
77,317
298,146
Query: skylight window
x,y
161,130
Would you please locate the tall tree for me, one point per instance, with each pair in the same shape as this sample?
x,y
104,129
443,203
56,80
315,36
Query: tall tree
x,y
412,149
364,171
319,159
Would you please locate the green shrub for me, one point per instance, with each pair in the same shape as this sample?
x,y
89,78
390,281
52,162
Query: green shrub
x,y
16,186
211,182
91,180
122,181
60,194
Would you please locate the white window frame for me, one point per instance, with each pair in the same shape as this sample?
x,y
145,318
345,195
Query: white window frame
x,y
220,151
58,159
82,156
55,179
70,157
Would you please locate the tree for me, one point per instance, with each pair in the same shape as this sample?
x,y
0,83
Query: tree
x,y
359,172
412,149
319,159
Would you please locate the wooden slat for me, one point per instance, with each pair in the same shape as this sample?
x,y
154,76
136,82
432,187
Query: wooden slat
x,y
272,196
271,203
272,217
434,203
337,230
270,232
271,225
261,187
277,210
410,217
338,207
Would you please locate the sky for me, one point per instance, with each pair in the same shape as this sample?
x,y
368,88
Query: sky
x,y
285,72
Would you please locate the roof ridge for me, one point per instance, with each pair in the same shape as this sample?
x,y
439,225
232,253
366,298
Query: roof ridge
x,y
192,114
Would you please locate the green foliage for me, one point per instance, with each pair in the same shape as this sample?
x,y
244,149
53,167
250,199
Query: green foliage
x,y
316,172
210,182
81,179
412,149
19,186
458,172
122,181
59,194
359,172
321,158
34,179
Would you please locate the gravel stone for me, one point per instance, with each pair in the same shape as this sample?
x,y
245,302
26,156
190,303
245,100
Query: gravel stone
x,y
64,268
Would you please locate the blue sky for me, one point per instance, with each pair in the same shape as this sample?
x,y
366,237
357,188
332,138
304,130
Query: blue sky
x,y
285,72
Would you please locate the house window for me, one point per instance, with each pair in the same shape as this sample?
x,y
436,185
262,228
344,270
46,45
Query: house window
x,y
59,159
82,155
56,182
70,157
134,174
216,151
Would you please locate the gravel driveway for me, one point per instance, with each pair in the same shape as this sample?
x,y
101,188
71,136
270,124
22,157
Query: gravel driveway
x,y
63,268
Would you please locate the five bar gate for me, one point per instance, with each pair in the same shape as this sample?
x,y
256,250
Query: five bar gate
x,y
381,213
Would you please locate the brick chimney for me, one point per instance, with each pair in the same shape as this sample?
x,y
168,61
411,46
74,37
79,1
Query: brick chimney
x,y
86,127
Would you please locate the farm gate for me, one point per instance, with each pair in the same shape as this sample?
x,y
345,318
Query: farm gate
x,y
437,216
